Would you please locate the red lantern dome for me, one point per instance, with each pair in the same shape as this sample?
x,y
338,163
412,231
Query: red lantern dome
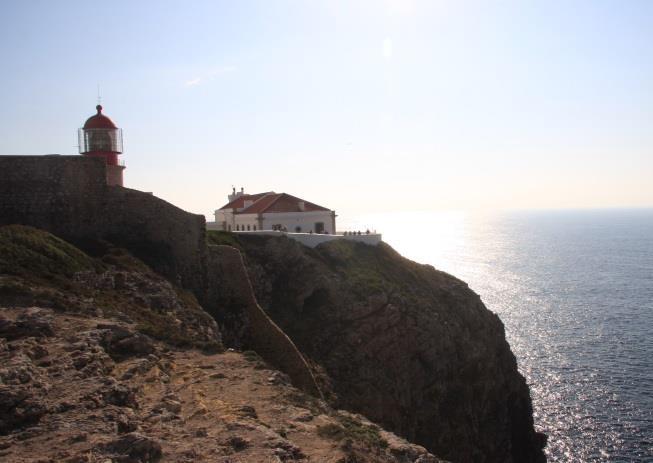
x,y
99,121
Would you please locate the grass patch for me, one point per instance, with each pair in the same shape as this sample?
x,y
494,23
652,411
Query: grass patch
x,y
31,253
122,260
252,356
352,428
216,237
37,268
367,269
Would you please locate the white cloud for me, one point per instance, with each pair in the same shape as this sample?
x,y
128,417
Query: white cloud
x,y
209,75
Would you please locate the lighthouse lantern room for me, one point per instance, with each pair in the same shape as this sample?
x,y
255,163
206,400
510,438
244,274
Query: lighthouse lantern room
x,y
101,138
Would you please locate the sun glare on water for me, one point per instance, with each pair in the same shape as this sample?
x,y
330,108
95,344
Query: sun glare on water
x,y
433,238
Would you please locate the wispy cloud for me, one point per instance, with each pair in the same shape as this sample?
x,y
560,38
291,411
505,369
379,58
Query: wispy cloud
x,y
209,76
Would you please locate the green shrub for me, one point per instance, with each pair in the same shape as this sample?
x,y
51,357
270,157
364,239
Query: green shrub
x,y
216,237
32,253
352,428
123,260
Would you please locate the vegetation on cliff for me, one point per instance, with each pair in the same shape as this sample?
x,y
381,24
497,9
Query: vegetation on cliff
x,y
37,268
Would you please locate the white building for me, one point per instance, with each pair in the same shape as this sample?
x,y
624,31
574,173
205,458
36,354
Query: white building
x,y
273,211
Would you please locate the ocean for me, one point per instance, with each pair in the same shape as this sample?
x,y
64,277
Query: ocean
x,y
574,290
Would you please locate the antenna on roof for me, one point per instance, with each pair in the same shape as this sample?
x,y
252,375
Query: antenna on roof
x,y
99,98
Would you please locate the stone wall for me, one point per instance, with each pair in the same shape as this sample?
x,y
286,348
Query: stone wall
x,y
50,192
69,196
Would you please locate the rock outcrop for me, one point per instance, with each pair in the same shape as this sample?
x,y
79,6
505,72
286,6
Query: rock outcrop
x,y
79,388
411,347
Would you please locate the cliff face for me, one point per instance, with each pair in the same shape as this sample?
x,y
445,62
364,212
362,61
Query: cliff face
x,y
118,364
411,347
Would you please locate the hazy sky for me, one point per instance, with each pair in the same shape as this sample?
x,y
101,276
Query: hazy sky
x,y
361,106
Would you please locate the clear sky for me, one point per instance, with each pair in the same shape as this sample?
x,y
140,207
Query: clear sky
x,y
362,106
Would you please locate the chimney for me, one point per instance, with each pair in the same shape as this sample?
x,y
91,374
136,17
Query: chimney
x,y
234,194
301,205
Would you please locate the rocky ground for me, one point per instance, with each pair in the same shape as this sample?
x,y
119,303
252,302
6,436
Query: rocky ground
x,y
75,388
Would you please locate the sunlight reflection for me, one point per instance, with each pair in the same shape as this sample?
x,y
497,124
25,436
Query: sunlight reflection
x,y
427,237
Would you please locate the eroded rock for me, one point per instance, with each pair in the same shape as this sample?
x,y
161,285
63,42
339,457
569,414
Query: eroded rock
x,y
19,407
29,323
133,448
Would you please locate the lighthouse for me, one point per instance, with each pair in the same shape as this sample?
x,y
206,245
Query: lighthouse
x,y
102,139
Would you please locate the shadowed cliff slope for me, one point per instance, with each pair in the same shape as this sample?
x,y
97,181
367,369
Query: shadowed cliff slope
x,y
409,346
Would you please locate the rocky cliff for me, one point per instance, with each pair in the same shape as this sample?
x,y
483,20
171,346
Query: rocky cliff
x,y
411,347
101,359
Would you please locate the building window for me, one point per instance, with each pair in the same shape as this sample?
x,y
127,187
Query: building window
x,y
229,227
247,227
298,229
254,227
319,227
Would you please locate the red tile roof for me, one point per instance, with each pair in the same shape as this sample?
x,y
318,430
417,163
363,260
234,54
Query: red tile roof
x,y
272,203
239,202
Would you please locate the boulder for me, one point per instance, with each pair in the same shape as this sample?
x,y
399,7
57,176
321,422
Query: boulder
x,y
133,448
35,323
19,407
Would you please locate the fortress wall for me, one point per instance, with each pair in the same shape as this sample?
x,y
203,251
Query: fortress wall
x,y
55,193
69,196
166,237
